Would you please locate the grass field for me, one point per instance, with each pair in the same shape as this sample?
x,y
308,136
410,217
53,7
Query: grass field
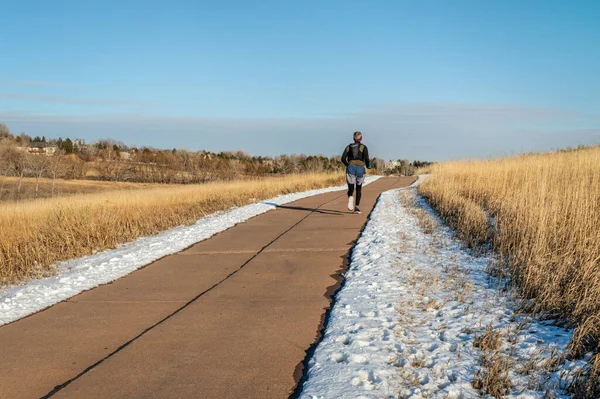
x,y
36,234
59,188
546,231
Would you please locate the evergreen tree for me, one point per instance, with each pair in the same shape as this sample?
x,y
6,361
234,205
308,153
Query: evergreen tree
x,y
68,146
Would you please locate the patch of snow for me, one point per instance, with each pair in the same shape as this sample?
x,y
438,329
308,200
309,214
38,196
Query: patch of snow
x,y
88,272
412,306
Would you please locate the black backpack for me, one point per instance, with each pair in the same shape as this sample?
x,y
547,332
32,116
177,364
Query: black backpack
x,y
355,152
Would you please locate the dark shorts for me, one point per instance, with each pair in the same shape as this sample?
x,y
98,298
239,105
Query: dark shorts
x,y
355,174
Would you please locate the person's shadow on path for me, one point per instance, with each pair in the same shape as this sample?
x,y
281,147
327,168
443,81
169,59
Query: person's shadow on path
x,y
317,210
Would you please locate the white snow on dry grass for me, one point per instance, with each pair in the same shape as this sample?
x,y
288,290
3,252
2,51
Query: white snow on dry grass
x,y
420,317
88,272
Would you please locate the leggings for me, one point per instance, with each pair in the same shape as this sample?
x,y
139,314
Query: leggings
x,y
358,192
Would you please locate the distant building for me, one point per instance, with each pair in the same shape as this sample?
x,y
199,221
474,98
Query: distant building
x,y
392,165
51,150
80,145
39,149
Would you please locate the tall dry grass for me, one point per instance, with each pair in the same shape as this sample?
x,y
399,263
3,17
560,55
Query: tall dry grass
x,y
13,188
35,235
546,230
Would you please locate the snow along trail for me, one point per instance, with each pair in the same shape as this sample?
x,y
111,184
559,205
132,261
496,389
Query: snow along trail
x,y
412,307
82,274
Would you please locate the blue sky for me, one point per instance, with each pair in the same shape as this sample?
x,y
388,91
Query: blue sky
x,y
422,79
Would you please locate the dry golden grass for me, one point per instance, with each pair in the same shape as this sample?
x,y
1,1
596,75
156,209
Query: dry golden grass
x,y
34,235
490,340
425,221
59,188
493,378
463,214
546,212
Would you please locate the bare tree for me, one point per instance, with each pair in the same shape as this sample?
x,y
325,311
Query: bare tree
x,y
109,166
56,167
378,164
37,164
13,162
74,167
20,166
6,169
312,164
24,140
4,132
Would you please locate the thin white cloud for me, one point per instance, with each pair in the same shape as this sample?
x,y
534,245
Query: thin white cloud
x,y
414,131
32,83
71,100
459,111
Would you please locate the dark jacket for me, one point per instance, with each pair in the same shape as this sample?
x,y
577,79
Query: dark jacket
x,y
356,154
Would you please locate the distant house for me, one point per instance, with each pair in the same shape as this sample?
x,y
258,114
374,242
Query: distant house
x,y
39,149
392,165
207,155
80,145
51,150
125,155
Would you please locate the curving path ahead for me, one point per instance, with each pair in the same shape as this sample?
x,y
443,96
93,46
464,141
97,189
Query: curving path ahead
x,y
230,317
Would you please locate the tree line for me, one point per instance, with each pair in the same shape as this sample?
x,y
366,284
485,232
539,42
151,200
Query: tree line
x,y
24,156
112,160
405,167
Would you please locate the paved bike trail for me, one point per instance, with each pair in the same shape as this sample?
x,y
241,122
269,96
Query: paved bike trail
x,y
230,317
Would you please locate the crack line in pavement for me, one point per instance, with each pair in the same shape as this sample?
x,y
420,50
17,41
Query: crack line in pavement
x,y
58,388
267,250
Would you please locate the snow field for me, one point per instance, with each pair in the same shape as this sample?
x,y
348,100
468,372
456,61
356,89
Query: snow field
x,y
88,272
411,320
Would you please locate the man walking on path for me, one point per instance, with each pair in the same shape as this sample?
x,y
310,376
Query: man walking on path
x,y
356,158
